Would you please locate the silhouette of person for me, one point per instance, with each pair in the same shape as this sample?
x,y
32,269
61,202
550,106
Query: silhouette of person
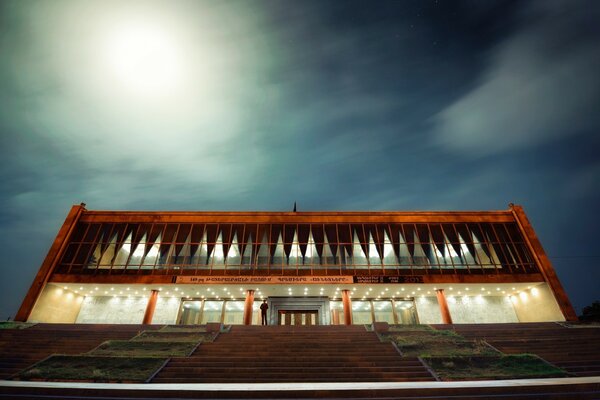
x,y
263,312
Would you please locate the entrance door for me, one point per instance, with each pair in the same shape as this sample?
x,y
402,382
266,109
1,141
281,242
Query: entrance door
x,y
297,317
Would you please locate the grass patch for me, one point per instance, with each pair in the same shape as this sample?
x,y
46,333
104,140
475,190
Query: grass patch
x,y
124,348
410,328
92,369
174,336
498,367
427,342
14,325
182,328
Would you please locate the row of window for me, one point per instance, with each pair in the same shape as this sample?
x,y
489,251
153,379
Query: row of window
x,y
141,247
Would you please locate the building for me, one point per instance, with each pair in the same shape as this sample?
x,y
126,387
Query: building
x,y
310,268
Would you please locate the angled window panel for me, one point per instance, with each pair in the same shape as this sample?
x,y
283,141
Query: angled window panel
x,y
437,238
420,255
274,240
249,247
452,242
200,255
123,252
409,232
377,232
361,237
233,253
358,255
277,255
263,254
374,253
108,254
345,240
311,256
181,240
466,244
196,239
184,257
226,237
123,233
289,235
303,235
137,253
217,257
238,231
318,234
467,250
389,255
331,245
167,245
295,257
211,238
423,241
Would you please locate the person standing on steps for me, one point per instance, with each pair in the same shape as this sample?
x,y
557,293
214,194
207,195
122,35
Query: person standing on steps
x,y
263,312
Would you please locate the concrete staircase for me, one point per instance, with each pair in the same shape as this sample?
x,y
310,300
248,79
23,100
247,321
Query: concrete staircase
x,y
294,354
575,349
19,348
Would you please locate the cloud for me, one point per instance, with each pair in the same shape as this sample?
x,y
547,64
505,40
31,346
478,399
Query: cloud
x,y
541,84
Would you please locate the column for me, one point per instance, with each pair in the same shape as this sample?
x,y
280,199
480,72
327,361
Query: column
x,y
150,307
347,307
444,310
248,307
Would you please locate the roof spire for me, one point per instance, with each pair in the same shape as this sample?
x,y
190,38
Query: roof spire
x,y
294,206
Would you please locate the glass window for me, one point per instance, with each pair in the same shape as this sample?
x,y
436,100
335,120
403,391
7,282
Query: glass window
x,y
212,311
191,312
383,311
406,312
234,313
361,312
337,312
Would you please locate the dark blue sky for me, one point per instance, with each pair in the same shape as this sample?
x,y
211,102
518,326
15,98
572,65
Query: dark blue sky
x,y
252,105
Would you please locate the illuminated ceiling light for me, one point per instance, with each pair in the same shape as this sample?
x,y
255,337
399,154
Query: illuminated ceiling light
x,y
176,289
418,288
144,288
167,293
450,289
386,289
80,287
105,292
120,292
127,288
513,289
497,289
197,293
467,289
65,287
402,289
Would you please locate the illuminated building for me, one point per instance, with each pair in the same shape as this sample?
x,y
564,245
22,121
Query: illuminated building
x,y
311,267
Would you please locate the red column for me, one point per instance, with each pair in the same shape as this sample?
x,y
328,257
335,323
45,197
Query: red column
x,y
347,307
248,307
150,307
444,310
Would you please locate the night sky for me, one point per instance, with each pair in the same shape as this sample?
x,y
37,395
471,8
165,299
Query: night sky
x,y
252,105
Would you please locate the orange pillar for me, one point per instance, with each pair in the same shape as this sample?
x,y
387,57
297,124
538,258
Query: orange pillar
x,y
444,310
248,307
150,307
347,307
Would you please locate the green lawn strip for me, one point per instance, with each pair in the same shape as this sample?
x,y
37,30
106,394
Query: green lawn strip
x,y
429,342
182,328
411,328
92,369
126,348
518,366
174,336
15,325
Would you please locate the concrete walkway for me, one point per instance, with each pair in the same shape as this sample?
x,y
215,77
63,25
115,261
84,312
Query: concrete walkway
x,y
301,386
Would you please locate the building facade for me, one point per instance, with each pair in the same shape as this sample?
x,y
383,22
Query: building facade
x,y
309,268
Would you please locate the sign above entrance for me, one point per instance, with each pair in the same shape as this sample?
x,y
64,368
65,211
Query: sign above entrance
x,y
319,280
388,279
265,279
